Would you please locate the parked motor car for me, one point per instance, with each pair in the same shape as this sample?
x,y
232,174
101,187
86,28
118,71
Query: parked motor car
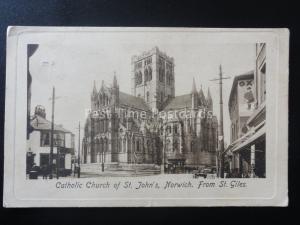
x,y
34,172
199,173
204,172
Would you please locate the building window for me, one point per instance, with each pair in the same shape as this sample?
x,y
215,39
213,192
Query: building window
x,y
175,129
137,145
263,83
44,159
45,139
120,145
149,74
161,96
169,130
138,78
161,73
175,146
168,78
59,139
146,75
148,96
148,60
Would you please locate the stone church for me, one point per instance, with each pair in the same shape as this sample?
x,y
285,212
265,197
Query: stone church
x,y
151,125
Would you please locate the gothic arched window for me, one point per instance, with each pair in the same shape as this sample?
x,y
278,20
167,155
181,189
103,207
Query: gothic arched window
x,y
120,145
175,146
124,145
136,76
105,145
148,96
149,74
146,75
161,75
140,78
101,101
101,145
168,78
97,146
137,145
175,129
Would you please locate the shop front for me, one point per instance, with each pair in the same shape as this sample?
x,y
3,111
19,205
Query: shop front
x,y
246,158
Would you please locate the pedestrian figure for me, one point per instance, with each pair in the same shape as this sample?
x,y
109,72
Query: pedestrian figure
x,y
74,169
78,171
44,171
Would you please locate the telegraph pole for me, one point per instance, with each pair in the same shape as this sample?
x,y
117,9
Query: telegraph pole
x,y
221,129
79,144
52,141
52,131
78,171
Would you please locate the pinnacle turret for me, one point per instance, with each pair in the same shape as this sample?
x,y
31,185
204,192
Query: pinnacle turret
x,y
194,89
94,88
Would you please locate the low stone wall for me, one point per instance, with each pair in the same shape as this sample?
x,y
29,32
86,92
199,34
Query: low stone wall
x,y
97,167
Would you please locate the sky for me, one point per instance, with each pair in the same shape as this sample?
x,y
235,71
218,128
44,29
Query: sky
x,y
72,61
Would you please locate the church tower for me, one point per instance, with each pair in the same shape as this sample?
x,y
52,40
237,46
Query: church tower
x,y
152,78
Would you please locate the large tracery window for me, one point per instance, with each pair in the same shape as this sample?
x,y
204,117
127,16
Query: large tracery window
x,y
146,75
149,74
168,78
138,78
161,75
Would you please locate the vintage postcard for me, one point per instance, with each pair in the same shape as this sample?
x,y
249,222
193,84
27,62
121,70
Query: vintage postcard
x,y
103,117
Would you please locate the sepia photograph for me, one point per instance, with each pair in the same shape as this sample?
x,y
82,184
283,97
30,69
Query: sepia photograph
x,y
155,108
149,113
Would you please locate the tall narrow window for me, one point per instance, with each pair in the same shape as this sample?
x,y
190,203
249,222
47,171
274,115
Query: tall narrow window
x,y
148,96
146,75
149,74
137,145
45,139
175,129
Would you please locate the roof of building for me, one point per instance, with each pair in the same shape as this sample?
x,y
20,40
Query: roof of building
x,y
133,102
180,102
40,123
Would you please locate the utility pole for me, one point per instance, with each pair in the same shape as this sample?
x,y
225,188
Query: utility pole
x,y
52,131
78,171
221,129
52,141
79,144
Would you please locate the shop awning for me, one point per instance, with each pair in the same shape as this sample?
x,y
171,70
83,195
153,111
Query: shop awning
x,y
251,139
